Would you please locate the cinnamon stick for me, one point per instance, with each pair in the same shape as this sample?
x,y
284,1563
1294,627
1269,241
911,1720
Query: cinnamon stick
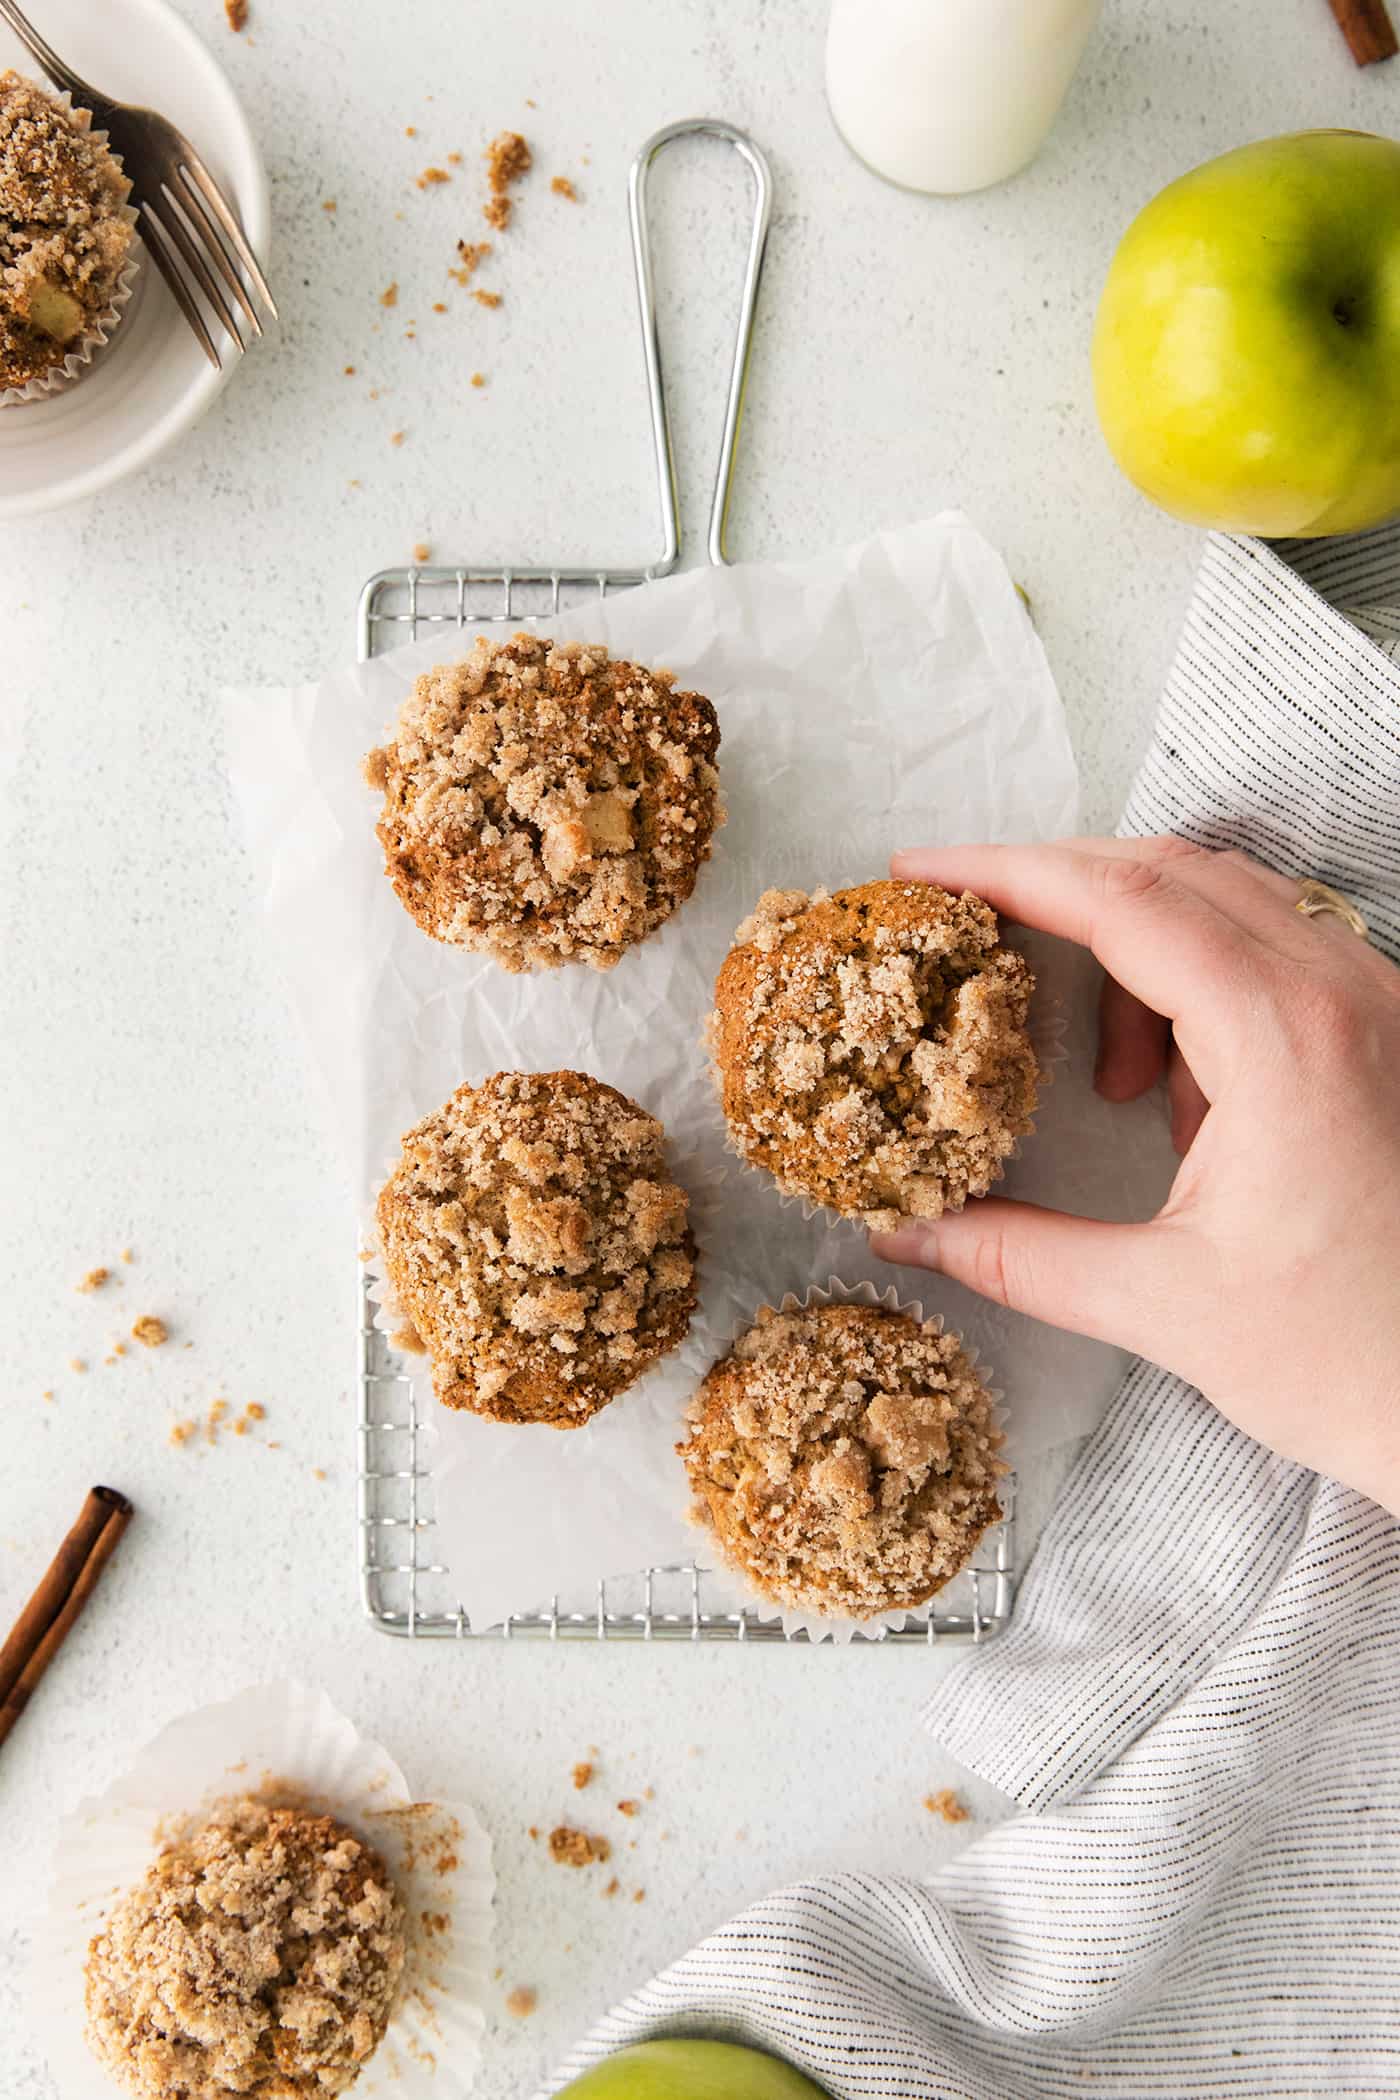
x,y
1367,28
52,1611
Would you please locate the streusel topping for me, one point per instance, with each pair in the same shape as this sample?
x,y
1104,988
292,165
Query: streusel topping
x,y
63,239
845,1458
546,802
871,1047
260,1956
539,1245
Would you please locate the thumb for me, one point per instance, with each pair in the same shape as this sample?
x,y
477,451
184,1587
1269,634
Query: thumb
x,y
1119,1283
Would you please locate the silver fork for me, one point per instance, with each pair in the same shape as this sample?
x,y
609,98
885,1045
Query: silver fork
x,y
192,230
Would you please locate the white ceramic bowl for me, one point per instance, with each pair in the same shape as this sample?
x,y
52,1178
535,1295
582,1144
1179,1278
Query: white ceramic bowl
x,y
153,381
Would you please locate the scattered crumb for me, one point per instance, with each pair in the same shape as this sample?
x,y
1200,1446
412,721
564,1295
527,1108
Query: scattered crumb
x,y
217,1411
240,1427
439,306
533,1831
582,1774
237,14
95,1279
530,102
119,1348
946,1803
648,1793
562,187
454,160
639,1895
390,294
272,1446
629,1808
478,379
498,1974
422,551
487,298
613,1886
328,204
77,1363
471,255
48,1393
507,159
396,437
575,1848
410,131
349,371
150,1330
318,1472
181,1432
255,1411
432,177
109,1359
522,2001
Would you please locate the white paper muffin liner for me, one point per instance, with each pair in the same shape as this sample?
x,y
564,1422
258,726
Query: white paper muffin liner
x,y
288,1741
1048,1031
819,1625
77,359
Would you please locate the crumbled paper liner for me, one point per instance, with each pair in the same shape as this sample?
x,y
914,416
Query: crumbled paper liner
x,y
1049,1038
78,358
820,1626
390,1318
288,1742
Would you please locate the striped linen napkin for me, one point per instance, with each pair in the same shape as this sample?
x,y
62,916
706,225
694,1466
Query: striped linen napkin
x,y
1197,1706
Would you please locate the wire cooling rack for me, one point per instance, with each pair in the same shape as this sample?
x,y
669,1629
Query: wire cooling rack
x,y
405,1587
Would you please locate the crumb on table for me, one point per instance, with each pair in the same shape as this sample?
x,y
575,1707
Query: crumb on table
x,y
396,437
390,294
181,1432
507,159
127,1255
77,1363
478,379
431,178
236,12
487,298
150,1331
582,1774
328,204
948,1804
613,1886
562,187
522,2001
422,551
629,1808
95,1279
639,1895
577,1848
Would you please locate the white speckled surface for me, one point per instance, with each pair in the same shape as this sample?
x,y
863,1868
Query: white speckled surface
x,y
910,353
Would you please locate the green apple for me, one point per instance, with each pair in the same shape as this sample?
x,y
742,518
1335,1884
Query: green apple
x,y
691,2071
1247,346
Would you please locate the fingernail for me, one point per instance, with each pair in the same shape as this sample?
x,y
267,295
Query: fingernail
x,y
914,1243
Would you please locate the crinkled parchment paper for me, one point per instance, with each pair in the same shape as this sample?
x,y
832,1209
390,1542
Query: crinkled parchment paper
x,y
891,694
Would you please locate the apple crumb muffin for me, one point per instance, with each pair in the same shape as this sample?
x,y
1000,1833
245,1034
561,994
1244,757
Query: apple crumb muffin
x,y
545,802
538,1245
64,236
845,1458
871,1048
260,1955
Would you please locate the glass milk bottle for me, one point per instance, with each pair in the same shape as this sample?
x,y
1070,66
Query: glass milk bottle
x,y
951,95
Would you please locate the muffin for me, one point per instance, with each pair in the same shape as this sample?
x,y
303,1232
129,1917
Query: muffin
x,y
545,802
871,1048
260,1955
65,233
538,1246
845,1458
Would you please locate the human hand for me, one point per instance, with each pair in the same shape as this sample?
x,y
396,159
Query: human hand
x,y
1271,1276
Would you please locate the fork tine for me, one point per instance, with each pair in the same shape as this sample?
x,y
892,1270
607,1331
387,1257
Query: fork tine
x,y
165,261
194,170
183,239
189,201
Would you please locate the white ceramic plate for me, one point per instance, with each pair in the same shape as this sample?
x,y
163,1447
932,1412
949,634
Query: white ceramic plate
x,y
153,381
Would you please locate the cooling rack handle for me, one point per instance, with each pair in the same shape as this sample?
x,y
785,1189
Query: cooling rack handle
x,y
752,155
